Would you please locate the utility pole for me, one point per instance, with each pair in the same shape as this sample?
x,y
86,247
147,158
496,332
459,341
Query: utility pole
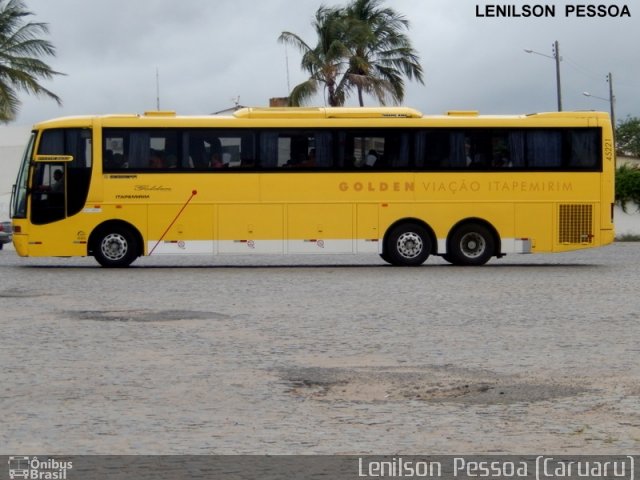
x,y
612,105
556,55
612,100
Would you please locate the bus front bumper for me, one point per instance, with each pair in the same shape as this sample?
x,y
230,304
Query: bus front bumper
x,y
21,244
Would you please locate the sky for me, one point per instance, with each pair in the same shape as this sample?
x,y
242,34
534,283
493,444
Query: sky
x,y
210,54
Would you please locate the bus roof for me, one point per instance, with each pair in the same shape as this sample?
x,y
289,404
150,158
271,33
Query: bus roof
x,y
327,112
283,114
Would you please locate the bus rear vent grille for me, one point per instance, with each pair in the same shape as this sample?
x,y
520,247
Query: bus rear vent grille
x,y
576,224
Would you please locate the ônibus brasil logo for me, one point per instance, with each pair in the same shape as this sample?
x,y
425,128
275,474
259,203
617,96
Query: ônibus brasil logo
x,y
35,469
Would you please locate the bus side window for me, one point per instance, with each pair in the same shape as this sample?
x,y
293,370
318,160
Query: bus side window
x,y
516,148
162,153
500,152
544,148
197,152
397,151
363,151
462,152
113,152
291,149
247,151
584,148
298,149
432,149
212,149
232,151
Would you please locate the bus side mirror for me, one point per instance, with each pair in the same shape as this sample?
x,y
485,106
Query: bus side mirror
x,y
53,158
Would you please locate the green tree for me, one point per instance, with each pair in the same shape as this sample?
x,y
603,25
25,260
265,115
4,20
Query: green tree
x,y
363,47
324,62
380,52
628,136
21,48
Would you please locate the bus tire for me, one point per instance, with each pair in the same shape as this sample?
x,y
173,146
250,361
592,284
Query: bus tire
x,y
408,245
115,247
470,244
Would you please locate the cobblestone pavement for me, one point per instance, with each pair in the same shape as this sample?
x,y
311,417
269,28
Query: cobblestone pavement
x,y
306,355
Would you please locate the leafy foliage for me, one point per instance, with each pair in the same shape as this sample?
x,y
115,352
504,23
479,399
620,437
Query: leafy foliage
x,y
628,186
361,47
324,61
20,52
380,53
628,136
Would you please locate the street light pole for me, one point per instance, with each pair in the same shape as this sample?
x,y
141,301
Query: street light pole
x,y
612,102
556,56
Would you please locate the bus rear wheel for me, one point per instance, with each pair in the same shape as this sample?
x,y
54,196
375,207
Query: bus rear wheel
x,y
470,244
115,247
408,245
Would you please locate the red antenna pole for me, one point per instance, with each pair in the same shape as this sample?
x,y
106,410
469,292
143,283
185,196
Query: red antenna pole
x,y
193,194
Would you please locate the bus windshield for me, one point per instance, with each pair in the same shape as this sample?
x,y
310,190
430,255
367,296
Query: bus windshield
x,y
19,194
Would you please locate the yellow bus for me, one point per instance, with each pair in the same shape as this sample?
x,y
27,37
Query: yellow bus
x,y
386,181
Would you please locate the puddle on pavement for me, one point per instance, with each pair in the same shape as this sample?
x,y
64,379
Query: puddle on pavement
x,y
144,315
427,384
16,293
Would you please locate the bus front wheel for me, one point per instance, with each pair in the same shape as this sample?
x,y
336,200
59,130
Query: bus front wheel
x,y
115,247
470,244
408,244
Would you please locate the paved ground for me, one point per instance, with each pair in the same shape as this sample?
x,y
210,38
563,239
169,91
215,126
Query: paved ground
x,y
301,355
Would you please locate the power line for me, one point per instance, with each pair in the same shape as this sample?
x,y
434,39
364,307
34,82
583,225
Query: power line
x,y
583,70
591,74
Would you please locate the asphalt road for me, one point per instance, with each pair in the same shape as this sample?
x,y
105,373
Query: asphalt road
x,y
321,355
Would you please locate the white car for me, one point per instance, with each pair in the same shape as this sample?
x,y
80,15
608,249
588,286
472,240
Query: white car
x,y
5,233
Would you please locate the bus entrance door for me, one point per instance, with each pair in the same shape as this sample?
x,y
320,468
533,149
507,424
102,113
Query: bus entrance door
x,y
48,195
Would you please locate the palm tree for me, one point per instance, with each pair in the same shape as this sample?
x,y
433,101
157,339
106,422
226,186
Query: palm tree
x,y
380,52
325,61
20,65
361,47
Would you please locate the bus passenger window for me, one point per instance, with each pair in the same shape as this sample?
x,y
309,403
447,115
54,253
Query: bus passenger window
x,y
431,149
163,149
584,148
157,159
296,149
500,157
214,149
365,152
247,154
544,149
293,151
113,153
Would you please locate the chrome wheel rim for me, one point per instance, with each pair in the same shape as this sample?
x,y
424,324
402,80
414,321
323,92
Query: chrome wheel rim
x,y
473,245
114,246
409,245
